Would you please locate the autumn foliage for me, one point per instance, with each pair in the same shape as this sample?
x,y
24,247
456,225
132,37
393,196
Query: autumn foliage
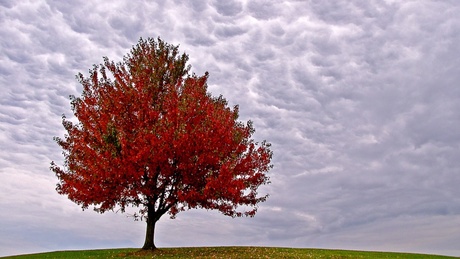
x,y
149,135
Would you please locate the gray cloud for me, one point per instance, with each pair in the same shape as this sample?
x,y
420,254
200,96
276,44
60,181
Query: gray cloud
x,y
228,8
359,99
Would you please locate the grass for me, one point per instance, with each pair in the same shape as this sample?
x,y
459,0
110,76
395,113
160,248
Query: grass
x,y
223,252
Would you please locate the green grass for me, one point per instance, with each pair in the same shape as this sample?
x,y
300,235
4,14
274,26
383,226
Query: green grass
x,y
223,252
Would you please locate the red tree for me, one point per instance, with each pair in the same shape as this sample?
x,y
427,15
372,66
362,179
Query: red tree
x,y
149,135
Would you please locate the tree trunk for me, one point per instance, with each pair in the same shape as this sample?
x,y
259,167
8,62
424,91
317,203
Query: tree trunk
x,y
149,243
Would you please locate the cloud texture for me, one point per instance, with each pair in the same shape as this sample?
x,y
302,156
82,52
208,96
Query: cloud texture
x,y
360,100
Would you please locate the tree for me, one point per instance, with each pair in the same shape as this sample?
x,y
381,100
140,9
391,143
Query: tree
x,y
149,135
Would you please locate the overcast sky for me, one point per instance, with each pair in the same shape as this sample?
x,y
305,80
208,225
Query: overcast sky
x,y
360,100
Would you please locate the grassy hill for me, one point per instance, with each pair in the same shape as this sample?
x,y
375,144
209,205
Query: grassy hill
x,y
223,252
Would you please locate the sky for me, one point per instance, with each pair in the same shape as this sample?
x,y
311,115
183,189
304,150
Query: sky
x,y
360,100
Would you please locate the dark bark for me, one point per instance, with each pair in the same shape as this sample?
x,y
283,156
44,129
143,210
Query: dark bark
x,y
149,243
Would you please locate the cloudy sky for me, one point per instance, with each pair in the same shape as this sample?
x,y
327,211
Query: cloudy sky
x,y
360,99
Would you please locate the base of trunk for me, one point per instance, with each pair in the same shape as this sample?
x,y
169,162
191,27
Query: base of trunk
x,y
149,247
